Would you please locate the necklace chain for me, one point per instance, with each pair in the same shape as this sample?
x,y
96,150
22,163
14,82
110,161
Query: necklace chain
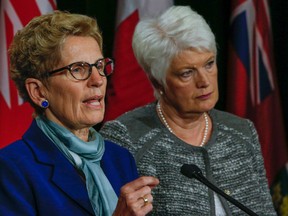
x,y
171,131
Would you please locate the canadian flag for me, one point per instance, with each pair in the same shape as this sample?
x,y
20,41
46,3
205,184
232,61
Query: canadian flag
x,y
14,114
129,86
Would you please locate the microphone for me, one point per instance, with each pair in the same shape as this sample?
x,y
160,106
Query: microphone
x,y
193,171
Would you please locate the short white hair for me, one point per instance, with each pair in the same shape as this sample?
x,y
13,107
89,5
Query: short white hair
x,y
156,41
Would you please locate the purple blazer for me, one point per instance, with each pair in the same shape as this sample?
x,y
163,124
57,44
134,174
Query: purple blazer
x,y
37,179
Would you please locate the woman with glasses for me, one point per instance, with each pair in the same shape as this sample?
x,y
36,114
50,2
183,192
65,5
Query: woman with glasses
x,y
62,166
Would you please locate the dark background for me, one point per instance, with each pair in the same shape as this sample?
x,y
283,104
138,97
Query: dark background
x,y
216,13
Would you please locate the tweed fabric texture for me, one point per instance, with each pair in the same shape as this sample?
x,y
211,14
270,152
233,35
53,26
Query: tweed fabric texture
x,y
231,159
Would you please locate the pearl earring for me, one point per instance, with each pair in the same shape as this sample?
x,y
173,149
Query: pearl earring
x,y
161,92
45,104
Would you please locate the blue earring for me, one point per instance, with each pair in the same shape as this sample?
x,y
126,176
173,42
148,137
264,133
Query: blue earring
x,y
45,104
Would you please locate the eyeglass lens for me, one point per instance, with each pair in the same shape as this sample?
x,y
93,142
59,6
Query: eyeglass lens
x,y
83,70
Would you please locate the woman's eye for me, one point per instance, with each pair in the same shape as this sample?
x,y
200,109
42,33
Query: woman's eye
x,y
186,74
100,66
77,69
209,65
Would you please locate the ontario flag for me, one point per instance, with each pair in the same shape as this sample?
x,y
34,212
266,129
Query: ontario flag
x,y
129,86
15,116
253,90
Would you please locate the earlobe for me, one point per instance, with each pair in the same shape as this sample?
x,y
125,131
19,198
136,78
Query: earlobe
x,y
34,88
45,104
157,85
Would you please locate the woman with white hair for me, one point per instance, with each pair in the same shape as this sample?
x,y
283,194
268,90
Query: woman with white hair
x,y
178,52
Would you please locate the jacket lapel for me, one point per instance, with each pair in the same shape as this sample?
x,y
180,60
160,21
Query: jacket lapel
x,y
64,175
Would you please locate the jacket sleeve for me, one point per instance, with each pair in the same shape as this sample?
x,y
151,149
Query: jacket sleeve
x,y
118,133
258,164
15,194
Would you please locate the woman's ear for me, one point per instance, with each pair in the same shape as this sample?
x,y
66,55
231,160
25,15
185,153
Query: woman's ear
x,y
35,89
157,85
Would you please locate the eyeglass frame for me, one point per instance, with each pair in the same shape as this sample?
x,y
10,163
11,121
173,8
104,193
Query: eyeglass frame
x,y
68,67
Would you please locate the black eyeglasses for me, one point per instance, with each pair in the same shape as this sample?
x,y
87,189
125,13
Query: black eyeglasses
x,y
83,70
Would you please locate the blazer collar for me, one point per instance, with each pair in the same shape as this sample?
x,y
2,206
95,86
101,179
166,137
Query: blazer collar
x,y
65,176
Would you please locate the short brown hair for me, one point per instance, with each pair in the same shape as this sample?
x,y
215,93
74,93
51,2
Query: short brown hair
x,y
36,48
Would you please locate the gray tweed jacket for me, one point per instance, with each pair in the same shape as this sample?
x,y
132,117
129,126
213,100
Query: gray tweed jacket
x,y
231,159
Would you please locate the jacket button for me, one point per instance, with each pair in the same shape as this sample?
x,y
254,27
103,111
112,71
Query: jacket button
x,y
227,192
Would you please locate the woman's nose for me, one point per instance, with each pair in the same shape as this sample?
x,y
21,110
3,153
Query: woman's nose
x,y
202,80
96,78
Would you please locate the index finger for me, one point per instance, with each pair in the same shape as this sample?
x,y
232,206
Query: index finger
x,y
141,182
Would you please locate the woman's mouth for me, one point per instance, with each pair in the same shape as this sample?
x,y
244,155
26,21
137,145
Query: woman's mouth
x,y
204,96
94,102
